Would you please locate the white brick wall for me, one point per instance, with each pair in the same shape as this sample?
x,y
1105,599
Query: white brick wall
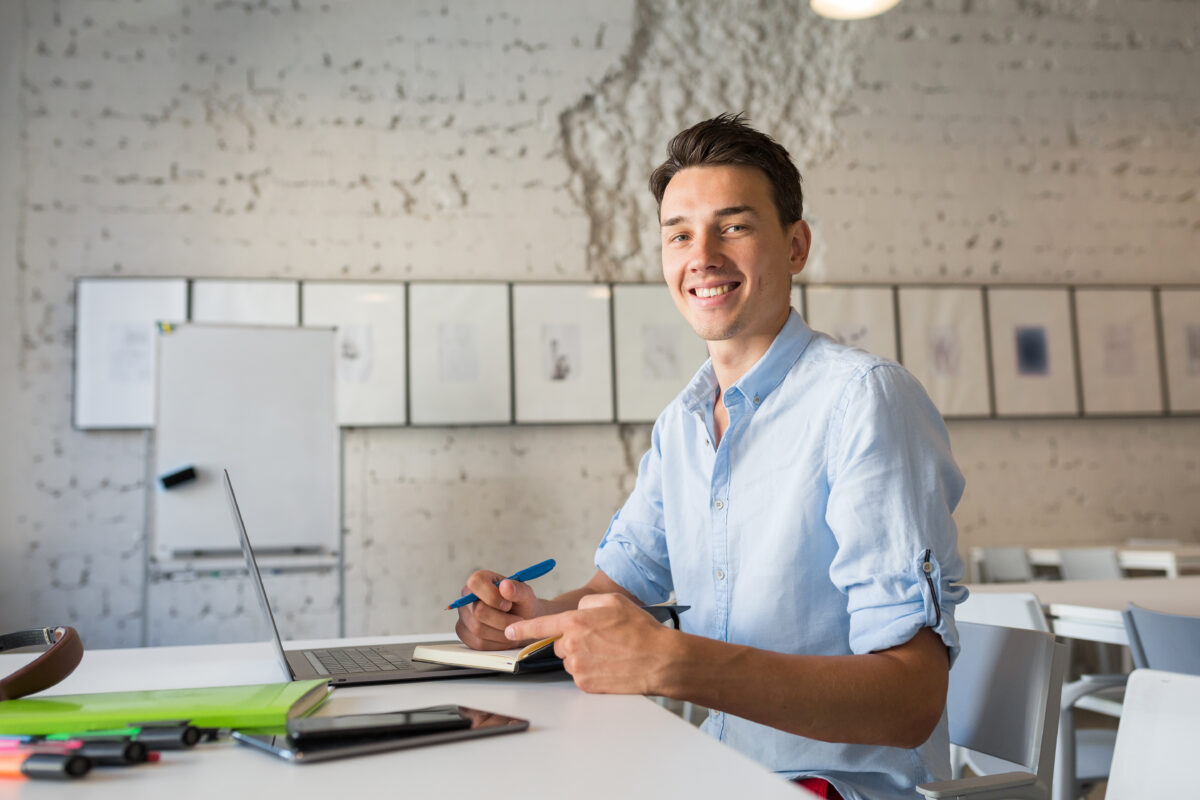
x,y
980,141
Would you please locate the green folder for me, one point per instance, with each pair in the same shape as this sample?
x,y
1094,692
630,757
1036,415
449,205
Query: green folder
x,y
213,707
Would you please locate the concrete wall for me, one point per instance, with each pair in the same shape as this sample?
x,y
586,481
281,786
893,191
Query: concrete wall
x,y
996,142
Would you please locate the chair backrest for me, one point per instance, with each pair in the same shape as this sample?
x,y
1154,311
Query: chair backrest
x,y
1010,609
1162,641
1004,694
1090,564
1155,753
1004,565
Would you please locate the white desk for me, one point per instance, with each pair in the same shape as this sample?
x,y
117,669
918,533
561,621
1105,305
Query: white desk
x,y
1172,560
1092,609
578,745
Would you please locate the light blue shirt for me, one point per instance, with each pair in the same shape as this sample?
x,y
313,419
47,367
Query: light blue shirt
x,y
821,525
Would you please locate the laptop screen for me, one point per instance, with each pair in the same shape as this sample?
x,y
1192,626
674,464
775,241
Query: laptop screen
x,y
255,577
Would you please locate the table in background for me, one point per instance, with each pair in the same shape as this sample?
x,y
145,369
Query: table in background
x,y
578,745
1172,560
1092,609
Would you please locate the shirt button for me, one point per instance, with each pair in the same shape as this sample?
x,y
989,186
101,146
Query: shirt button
x,y
718,505
757,399
927,567
720,574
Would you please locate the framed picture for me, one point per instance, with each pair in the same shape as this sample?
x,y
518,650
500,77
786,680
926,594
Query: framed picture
x,y
459,354
371,346
657,352
246,302
1181,348
1118,351
943,344
1033,360
562,351
115,347
862,316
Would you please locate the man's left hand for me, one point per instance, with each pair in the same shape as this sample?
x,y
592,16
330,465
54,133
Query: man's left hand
x,y
608,645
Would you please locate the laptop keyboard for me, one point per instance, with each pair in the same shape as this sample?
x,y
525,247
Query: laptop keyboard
x,y
356,659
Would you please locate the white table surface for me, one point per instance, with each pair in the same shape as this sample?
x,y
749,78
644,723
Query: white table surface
x,y
1092,609
578,745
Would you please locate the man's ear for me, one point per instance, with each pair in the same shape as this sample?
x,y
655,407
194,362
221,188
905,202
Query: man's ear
x,y
799,243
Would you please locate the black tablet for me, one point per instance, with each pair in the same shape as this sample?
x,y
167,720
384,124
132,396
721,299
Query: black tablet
x,y
278,743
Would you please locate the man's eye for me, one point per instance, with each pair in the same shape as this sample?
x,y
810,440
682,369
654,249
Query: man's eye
x,y
679,237
735,228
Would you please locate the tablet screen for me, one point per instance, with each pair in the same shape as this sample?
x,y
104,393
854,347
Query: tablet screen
x,y
278,743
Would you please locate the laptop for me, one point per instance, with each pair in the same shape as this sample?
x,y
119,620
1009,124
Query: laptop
x,y
342,666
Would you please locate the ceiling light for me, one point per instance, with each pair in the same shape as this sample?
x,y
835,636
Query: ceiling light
x,y
851,9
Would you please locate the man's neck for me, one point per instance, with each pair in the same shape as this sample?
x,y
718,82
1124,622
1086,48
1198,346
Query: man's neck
x,y
733,358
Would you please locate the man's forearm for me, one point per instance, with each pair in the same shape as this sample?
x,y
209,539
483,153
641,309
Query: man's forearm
x,y
892,698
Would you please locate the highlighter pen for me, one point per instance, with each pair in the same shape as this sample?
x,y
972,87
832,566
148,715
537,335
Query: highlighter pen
x,y
156,738
47,766
102,752
527,574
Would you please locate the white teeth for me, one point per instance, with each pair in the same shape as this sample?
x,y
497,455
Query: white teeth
x,y
713,292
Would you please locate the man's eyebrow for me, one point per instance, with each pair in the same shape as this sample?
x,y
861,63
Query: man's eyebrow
x,y
720,212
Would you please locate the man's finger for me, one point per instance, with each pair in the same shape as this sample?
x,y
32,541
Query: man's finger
x,y
516,591
482,584
538,627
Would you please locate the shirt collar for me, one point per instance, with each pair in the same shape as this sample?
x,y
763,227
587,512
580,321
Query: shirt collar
x,y
761,379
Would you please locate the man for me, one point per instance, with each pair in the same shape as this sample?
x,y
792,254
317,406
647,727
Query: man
x,y
797,495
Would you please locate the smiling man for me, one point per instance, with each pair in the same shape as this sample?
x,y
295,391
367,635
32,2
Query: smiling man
x,y
797,495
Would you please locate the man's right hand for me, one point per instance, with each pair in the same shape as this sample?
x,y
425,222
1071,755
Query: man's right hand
x,y
481,624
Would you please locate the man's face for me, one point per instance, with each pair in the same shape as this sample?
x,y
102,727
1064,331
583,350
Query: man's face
x,y
726,258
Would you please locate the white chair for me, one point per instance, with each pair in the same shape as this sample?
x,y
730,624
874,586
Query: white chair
x,y
1156,741
1003,702
1004,565
1083,756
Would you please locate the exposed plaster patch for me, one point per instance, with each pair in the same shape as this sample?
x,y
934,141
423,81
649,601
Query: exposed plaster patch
x,y
791,72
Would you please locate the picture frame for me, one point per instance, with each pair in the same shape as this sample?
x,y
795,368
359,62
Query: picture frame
x,y
1180,328
1033,354
861,316
657,352
115,364
562,352
372,333
246,302
1119,362
944,345
460,354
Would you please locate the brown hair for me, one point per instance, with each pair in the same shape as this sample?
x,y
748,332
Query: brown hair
x,y
727,140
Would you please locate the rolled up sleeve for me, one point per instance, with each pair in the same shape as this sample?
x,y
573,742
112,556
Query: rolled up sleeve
x,y
893,488
633,551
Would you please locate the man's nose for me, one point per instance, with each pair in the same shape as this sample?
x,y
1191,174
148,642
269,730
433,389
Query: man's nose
x,y
706,252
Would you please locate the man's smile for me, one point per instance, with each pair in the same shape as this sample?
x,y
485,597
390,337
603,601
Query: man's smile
x,y
709,292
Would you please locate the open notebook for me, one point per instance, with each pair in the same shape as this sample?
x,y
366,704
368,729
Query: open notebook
x,y
536,657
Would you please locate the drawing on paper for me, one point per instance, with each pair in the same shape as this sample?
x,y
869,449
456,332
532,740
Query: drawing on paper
x,y
355,352
459,353
1119,356
944,350
130,352
560,352
853,334
1033,350
1193,349
660,353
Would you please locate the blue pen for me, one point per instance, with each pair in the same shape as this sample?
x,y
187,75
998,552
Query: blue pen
x,y
527,574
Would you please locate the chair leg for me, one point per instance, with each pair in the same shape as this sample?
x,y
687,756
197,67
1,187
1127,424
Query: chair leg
x,y
1064,759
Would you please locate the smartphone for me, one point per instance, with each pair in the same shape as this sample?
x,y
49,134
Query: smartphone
x,y
281,745
389,723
